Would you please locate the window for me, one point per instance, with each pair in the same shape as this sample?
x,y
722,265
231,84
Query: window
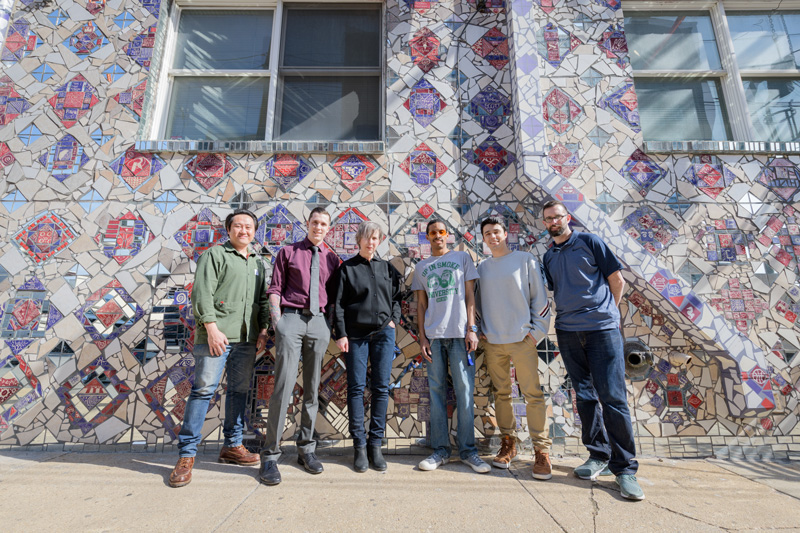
x,y
294,72
715,75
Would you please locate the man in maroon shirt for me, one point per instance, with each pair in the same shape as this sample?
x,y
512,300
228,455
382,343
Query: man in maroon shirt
x,y
298,296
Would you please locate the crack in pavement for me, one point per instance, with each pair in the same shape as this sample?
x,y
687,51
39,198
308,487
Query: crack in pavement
x,y
689,517
227,516
595,507
513,473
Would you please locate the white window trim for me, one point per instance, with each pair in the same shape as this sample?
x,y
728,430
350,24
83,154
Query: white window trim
x,y
731,76
158,127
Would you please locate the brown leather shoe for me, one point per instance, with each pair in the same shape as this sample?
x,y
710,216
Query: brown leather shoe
x,y
238,455
182,473
507,453
541,466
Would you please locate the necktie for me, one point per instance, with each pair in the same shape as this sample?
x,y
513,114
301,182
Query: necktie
x,y
313,289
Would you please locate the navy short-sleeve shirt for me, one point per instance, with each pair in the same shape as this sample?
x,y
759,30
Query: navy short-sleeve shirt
x,y
576,271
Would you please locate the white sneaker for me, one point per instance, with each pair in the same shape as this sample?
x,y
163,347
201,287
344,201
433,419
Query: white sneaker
x,y
432,462
477,464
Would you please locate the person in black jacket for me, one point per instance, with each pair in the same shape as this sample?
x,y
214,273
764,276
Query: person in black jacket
x,y
366,311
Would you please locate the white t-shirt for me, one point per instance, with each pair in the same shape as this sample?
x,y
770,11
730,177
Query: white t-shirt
x,y
444,279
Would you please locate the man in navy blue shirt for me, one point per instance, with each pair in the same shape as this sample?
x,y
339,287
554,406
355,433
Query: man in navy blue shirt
x,y
587,283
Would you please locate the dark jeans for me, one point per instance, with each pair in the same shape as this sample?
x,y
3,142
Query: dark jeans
x,y
596,366
377,350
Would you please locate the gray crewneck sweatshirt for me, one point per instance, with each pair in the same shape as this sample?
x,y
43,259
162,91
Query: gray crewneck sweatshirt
x,y
512,298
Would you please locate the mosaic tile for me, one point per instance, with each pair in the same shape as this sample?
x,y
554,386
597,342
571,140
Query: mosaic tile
x,y
12,104
642,172
92,395
649,229
490,108
425,102
423,165
20,41
133,99
124,237
614,5
491,6
614,45
287,169
203,231
124,19
491,158
421,6
555,43
739,305
86,40
166,202
43,72
91,200
29,135
108,313
60,354
209,170
19,389
14,200
141,48
623,102
28,314
425,49
135,168
724,242
64,158
6,157
263,387
561,111
95,6
153,6
354,170
278,228
493,47
341,238
546,5
113,73
709,175
564,159
781,176
44,237
73,100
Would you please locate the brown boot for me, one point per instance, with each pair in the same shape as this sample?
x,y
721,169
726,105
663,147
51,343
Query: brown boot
x,y
541,466
238,455
182,473
507,453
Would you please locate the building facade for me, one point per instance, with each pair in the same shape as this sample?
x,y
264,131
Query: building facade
x,y
130,128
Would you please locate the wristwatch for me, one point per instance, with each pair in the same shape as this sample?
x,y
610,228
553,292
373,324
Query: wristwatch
x,y
473,328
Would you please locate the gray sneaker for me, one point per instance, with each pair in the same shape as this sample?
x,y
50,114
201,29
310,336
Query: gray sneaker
x,y
590,469
477,464
629,488
433,461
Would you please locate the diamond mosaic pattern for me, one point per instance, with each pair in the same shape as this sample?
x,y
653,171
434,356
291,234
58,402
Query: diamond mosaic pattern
x,y
287,169
64,158
202,232
561,111
73,100
12,104
493,47
342,236
135,168
425,48
124,237
133,99
44,237
425,102
209,170
555,43
92,395
108,313
354,170
278,228
423,165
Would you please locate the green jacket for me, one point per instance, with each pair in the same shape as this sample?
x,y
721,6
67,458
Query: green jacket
x,y
231,291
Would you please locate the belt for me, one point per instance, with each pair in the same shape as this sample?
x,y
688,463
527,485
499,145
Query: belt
x,y
296,311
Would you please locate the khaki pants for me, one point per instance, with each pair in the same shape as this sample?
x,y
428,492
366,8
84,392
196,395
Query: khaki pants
x,y
526,362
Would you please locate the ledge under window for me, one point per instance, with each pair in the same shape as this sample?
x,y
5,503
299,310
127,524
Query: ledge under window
x,y
301,147
721,147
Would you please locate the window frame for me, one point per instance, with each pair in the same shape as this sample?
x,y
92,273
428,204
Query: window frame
x,y
730,77
275,73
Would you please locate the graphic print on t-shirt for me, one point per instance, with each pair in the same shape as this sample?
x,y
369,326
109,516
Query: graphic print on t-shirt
x,y
441,280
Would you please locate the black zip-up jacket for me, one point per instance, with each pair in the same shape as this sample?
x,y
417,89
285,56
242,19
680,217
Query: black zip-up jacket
x,y
367,297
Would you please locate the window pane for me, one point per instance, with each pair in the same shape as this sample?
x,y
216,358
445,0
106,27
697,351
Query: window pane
x,y
775,109
766,40
223,40
678,41
690,110
330,108
206,108
332,38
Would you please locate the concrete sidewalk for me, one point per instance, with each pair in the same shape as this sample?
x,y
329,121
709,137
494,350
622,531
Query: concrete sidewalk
x,y
129,492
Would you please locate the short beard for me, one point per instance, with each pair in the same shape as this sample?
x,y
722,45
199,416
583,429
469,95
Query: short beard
x,y
557,231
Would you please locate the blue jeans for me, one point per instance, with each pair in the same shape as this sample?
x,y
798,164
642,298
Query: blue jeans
x,y
238,360
454,352
378,350
596,365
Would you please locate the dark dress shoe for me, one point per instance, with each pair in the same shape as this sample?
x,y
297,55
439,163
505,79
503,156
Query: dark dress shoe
x,y
360,462
269,474
376,459
310,462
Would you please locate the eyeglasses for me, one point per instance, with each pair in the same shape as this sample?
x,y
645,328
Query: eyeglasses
x,y
434,233
556,218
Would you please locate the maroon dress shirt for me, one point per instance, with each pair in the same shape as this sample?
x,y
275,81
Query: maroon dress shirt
x,y
291,275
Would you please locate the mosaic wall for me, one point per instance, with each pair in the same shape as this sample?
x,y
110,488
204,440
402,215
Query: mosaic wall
x,y
491,112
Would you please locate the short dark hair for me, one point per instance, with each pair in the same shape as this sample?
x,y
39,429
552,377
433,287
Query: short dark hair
x,y
553,203
319,210
493,221
229,218
432,222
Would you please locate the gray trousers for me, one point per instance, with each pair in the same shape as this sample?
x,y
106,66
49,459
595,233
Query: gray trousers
x,y
296,334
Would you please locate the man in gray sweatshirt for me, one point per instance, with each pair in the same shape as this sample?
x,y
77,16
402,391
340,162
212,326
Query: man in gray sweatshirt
x,y
515,316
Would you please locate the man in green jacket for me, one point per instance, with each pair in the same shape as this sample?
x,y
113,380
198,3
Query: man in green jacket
x,y
229,301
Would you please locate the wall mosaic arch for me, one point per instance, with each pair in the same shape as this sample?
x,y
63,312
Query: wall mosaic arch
x,y
485,113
